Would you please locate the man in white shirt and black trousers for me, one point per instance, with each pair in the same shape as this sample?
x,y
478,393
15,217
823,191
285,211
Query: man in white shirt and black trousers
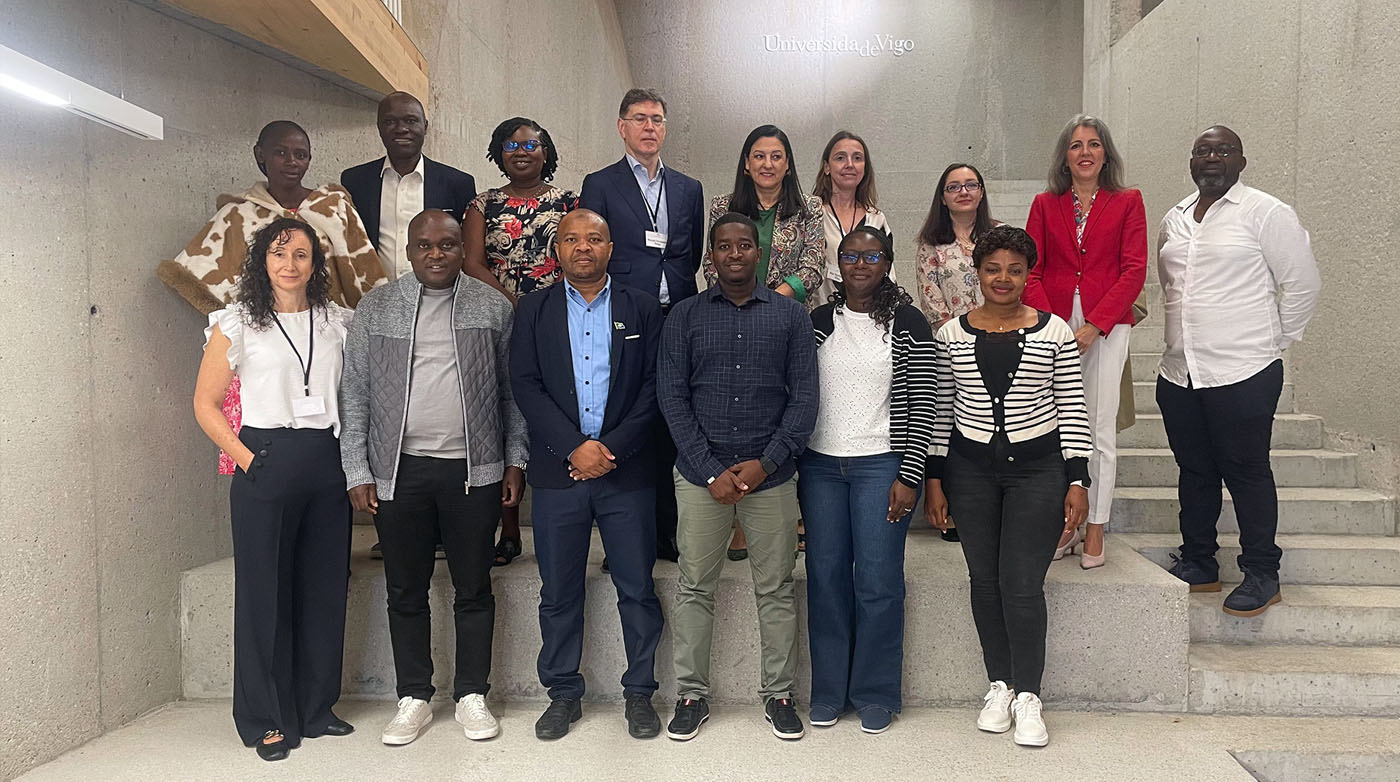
x,y
1239,284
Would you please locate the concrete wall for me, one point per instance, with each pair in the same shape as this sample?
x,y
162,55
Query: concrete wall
x,y
1312,90
107,485
988,81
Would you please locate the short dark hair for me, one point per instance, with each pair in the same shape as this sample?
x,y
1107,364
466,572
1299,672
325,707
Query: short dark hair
x,y
274,127
1004,237
640,95
733,217
938,226
505,130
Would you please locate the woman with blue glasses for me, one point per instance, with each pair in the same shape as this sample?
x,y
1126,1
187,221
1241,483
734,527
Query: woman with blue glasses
x,y
508,238
860,478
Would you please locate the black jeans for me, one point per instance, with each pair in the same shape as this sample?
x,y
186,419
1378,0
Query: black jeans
x,y
1223,433
1009,515
291,565
429,505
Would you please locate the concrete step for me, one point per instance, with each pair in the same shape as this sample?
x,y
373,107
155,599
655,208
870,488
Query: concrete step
x,y
1300,511
1291,430
1145,397
1355,560
1312,681
1294,468
1308,614
1129,617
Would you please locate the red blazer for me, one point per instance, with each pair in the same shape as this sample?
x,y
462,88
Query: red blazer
x,y
1109,268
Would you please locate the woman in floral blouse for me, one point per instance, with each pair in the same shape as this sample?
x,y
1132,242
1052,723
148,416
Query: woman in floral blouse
x,y
508,232
947,285
508,235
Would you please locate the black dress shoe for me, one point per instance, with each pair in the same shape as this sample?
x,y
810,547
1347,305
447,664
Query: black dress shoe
x,y
950,535
642,722
781,713
554,723
668,552
278,750
1254,596
691,713
338,727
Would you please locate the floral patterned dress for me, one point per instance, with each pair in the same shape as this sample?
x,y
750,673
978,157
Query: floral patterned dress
x,y
948,286
520,236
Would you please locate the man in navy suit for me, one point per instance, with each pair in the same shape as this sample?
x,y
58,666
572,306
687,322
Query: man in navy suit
x,y
390,191
583,370
657,218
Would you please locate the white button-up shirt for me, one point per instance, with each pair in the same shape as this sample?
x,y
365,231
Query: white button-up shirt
x,y
1237,288
400,200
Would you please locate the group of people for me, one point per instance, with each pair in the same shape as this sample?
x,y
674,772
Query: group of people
x,y
403,346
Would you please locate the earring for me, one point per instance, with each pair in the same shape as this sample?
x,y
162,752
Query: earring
x,y
1064,168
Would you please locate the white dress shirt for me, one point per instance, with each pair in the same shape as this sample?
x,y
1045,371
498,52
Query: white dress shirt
x,y
400,200
1238,287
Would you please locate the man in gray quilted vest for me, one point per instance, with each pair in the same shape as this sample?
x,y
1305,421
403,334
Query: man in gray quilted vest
x,y
433,446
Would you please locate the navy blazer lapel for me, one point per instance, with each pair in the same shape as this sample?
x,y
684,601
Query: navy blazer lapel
x,y
632,193
554,332
674,194
620,316
369,212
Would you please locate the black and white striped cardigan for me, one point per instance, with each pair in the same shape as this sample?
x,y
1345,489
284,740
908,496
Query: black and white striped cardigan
x,y
1046,396
911,389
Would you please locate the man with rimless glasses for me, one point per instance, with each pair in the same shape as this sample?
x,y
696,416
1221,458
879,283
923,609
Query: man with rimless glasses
x,y
1239,284
657,218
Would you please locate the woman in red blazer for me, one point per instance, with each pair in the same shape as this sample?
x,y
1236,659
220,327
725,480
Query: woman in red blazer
x,y
1091,233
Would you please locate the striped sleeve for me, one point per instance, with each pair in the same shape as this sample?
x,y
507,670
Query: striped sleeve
x,y
1076,438
944,392
913,396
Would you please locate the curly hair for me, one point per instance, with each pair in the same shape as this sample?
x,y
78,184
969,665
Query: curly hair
x,y
254,287
1004,237
889,296
496,153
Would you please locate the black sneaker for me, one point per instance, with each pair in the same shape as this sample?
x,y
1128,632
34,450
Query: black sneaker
x,y
555,722
1254,596
1201,577
691,713
781,713
642,722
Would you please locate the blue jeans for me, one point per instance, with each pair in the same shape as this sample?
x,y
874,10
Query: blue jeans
x,y
855,579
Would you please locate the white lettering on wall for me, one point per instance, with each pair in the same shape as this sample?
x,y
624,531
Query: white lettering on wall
x,y
873,46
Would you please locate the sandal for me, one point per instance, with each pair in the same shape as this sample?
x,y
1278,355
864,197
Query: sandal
x,y
276,750
506,552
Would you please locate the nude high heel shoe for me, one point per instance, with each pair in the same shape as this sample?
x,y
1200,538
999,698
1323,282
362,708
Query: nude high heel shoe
x,y
1075,538
1086,560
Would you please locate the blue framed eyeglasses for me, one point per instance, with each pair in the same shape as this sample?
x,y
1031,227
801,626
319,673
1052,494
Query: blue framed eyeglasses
x,y
851,259
530,145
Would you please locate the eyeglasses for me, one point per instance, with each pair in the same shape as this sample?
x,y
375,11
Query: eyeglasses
x,y
530,145
641,120
953,187
851,259
1221,151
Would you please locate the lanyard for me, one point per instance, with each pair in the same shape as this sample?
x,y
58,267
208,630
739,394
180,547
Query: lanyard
x,y
660,194
310,349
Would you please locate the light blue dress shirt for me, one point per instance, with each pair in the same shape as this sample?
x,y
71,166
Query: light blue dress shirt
x,y
590,342
653,196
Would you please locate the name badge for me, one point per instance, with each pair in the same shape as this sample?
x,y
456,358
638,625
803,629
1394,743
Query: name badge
x,y
656,239
307,406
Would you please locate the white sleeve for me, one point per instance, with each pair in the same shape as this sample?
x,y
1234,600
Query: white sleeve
x,y
1288,253
230,323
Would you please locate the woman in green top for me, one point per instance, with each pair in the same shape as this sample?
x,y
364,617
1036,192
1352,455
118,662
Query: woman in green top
x,y
790,233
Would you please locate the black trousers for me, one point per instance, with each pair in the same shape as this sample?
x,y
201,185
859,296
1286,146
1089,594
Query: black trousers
x,y
291,564
431,505
1009,515
665,461
1224,433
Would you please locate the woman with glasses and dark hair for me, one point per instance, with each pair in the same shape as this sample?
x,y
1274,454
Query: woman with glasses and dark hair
x,y
1009,461
861,475
846,187
508,239
508,234
958,215
290,513
1091,232
790,235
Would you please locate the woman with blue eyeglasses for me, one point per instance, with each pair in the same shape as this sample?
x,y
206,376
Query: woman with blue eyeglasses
x,y
508,233
860,480
508,238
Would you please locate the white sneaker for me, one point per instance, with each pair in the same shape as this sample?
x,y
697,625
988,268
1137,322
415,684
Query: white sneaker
x,y
414,715
476,720
1030,728
996,709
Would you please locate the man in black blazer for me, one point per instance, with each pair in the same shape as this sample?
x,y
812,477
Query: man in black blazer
x,y
583,371
390,191
657,218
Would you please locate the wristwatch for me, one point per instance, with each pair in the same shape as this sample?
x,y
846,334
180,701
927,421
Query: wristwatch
x,y
768,465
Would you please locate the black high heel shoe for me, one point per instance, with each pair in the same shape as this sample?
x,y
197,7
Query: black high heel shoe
x,y
276,750
338,727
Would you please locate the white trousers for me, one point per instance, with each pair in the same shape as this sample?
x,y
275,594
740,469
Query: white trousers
x,y
1102,366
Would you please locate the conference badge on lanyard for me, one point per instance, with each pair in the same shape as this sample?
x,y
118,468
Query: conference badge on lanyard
x,y
306,405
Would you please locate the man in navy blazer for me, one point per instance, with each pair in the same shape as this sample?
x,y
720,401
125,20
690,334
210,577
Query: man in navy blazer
x,y
390,191
657,218
583,371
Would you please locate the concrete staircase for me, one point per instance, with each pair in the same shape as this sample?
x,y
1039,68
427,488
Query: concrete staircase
x,y
1332,647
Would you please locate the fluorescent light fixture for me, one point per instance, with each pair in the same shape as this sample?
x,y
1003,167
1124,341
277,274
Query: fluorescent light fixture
x,y
37,81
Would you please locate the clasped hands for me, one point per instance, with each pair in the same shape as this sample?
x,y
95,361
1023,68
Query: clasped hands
x,y
736,482
590,460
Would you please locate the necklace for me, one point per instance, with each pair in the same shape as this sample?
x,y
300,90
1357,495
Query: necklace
x,y
534,192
